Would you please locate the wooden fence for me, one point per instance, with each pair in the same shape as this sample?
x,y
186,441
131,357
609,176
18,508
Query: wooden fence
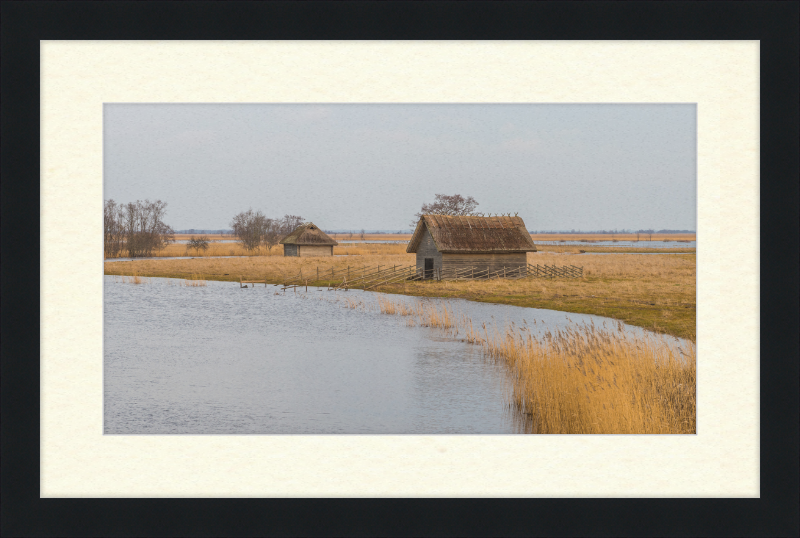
x,y
551,271
370,277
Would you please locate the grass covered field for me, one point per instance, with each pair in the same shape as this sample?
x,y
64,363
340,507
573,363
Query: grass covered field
x,y
362,248
654,292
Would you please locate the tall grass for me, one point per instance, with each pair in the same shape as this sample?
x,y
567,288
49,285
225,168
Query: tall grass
x,y
590,380
583,379
130,279
195,281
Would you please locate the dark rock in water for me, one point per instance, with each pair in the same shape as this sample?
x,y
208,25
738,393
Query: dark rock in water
x,y
244,286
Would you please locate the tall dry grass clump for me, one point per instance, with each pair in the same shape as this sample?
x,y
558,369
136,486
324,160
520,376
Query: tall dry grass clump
x,y
195,281
583,379
590,380
424,314
130,279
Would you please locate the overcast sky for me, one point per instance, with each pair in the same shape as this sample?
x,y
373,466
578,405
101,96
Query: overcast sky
x,y
582,167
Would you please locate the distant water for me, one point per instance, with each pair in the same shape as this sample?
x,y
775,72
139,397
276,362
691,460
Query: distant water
x,y
224,360
622,244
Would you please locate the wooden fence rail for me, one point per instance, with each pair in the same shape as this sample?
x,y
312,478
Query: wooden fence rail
x,y
370,277
551,271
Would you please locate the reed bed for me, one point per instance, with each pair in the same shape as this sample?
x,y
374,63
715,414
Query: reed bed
x,y
590,380
130,279
583,379
195,281
424,314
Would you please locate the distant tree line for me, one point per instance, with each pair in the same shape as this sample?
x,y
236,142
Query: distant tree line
x,y
135,229
196,231
254,230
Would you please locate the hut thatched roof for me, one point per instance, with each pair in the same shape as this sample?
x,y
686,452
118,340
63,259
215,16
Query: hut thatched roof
x,y
308,234
473,234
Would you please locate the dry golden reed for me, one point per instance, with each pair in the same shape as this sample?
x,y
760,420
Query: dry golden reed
x,y
195,281
130,279
583,379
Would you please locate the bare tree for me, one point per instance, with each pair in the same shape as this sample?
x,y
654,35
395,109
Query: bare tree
x,y
272,233
250,227
113,230
137,228
289,222
198,244
447,205
362,234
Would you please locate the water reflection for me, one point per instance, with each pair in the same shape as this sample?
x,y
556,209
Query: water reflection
x,y
223,360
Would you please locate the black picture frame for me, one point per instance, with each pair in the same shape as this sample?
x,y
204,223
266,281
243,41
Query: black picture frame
x,y
775,513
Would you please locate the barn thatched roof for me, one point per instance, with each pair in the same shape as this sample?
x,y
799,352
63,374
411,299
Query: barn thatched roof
x,y
473,234
308,234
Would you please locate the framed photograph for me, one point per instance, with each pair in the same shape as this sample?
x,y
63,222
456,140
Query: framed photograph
x,y
92,419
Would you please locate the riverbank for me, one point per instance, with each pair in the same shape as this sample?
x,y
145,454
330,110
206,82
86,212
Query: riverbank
x,y
654,292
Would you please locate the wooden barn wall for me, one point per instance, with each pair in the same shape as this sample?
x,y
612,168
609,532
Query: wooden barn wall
x,y
290,250
427,249
493,262
315,250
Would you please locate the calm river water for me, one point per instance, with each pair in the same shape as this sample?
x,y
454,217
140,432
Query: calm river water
x,y
224,360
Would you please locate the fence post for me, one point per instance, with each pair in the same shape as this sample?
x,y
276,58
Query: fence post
x,y
504,271
317,272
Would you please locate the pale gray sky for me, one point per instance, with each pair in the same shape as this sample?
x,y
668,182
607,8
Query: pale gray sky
x,y
342,166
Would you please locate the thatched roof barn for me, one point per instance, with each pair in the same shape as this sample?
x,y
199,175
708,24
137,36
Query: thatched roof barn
x,y
448,243
308,240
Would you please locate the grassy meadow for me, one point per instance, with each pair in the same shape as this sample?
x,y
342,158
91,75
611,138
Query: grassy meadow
x,y
654,292
361,248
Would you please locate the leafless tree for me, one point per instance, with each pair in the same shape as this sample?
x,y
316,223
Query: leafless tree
x,y
289,222
362,234
197,244
137,228
113,230
272,233
447,205
250,227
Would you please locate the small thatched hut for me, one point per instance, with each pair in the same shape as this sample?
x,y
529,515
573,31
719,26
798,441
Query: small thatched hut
x,y
445,243
308,240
